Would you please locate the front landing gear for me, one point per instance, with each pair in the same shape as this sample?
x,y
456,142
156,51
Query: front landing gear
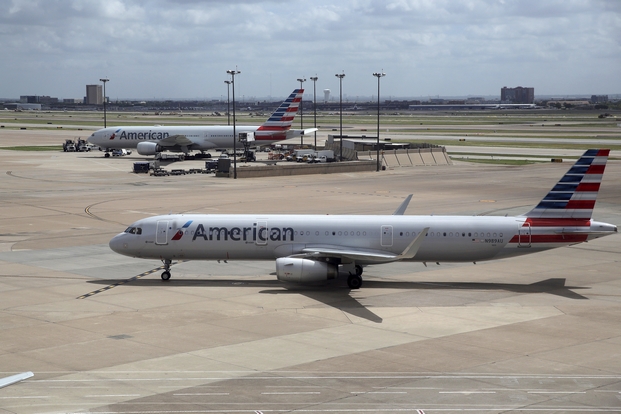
x,y
166,272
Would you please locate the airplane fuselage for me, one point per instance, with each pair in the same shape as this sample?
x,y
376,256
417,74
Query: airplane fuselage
x,y
267,237
311,248
203,138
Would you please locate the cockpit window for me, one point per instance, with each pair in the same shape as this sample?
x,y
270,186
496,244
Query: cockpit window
x,y
133,230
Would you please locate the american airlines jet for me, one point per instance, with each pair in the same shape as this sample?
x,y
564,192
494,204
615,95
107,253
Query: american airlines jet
x,y
311,248
151,140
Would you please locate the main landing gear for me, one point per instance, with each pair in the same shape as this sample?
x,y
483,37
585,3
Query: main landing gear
x,y
354,281
166,272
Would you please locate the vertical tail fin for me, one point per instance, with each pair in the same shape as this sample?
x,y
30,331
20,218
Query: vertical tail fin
x,y
573,197
277,125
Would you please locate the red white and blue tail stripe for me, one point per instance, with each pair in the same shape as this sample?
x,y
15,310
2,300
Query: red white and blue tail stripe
x,y
573,197
563,217
277,125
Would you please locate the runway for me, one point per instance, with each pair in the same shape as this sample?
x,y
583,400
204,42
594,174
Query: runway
x,y
102,333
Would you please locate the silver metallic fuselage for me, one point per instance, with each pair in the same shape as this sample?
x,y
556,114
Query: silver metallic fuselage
x,y
266,237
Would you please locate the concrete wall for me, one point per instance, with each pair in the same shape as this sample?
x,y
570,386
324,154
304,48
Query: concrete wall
x,y
409,157
285,169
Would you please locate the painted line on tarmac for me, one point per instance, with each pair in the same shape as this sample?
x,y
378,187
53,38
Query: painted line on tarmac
x,y
122,282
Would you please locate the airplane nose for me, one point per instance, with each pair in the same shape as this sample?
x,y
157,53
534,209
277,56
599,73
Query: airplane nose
x,y
118,244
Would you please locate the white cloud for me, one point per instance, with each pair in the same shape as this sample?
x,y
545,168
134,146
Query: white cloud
x,y
182,48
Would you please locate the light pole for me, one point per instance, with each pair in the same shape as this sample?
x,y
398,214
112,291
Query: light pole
x,y
228,100
301,80
233,73
104,80
378,75
341,76
314,79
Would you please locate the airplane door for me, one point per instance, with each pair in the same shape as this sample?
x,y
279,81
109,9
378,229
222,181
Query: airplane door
x,y
262,233
524,235
386,236
161,235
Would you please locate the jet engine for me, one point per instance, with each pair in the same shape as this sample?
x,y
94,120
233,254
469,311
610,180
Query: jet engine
x,y
148,148
304,270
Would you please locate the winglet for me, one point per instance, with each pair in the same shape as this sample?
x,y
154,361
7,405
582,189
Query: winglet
x,y
412,249
403,206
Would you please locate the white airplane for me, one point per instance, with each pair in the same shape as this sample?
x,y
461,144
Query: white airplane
x,y
311,248
151,140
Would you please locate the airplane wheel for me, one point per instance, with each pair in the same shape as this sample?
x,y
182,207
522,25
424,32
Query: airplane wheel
x,y
107,155
165,275
354,281
358,270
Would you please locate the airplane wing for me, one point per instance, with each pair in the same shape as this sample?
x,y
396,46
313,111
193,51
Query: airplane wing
x,y
175,140
363,255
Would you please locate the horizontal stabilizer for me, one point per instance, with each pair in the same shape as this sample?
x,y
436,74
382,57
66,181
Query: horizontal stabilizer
x,y
6,381
300,132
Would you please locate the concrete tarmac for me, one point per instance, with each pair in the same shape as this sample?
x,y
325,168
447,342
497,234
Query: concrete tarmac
x,y
102,333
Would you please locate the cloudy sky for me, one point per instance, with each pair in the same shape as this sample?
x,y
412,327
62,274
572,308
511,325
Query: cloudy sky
x,y
182,48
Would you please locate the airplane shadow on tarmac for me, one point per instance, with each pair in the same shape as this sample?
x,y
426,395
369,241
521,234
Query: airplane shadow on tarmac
x,y
338,295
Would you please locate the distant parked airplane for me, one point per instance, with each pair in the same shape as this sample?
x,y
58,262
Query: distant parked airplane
x,y
310,248
151,140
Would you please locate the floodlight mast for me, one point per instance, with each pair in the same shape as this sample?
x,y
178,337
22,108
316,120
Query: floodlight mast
x,y
314,79
378,75
301,80
104,80
233,73
228,101
341,76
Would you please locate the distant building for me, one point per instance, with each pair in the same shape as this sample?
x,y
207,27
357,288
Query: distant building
x,y
517,95
21,106
599,98
94,95
73,101
35,99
